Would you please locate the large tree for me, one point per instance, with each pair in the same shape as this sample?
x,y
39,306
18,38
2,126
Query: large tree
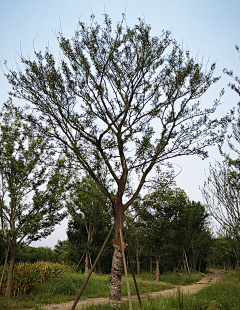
x,y
120,101
32,186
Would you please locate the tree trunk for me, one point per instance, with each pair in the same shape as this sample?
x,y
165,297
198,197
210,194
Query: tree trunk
x,y
117,261
193,260
151,263
86,263
8,294
157,268
237,263
138,262
199,267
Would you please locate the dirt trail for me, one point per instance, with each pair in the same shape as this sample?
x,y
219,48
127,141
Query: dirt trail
x,y
191,289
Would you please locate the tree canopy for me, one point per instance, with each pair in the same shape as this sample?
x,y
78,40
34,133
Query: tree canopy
x,y
32,185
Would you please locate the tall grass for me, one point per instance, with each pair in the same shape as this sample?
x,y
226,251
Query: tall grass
x,y
27,275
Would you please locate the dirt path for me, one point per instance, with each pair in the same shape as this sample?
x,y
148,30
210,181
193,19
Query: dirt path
x,y
191,289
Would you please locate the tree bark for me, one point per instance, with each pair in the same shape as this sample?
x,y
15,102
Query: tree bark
x,y
157,263
138,263
157,267
117,261
8,294
86,263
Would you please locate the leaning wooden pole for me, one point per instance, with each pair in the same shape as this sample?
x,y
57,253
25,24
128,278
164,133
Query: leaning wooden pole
x,y
90,272
125,270
134,279
79,262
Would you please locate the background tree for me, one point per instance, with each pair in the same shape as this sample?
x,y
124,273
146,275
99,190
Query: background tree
x,y
221,253
89,211
223,201
103,101
136,233
33,255
160,211
32,187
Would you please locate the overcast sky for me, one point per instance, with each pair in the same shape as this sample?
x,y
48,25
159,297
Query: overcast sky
x,y
209,29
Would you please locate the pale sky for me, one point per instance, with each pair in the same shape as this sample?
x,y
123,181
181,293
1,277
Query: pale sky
x,y
209,29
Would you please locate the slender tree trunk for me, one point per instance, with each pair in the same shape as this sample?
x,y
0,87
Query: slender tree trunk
x,y
191,264
157,264
86,263
193,260
199,267
8,294
157,268
151,263
138,262
117,261
237,263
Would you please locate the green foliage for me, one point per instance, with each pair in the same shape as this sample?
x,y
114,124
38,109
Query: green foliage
x,y
33,184
221,252
26,276
32,254
28,171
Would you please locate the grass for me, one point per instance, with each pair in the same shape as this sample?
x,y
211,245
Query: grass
x,y
223,295
174,278
66,286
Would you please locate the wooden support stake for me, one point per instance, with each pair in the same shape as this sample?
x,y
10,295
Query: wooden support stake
x,y
187,262
179,262
134,279
90,272
125,270
79,262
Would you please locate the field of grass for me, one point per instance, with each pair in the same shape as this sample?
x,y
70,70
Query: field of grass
x,y
66,286
224,295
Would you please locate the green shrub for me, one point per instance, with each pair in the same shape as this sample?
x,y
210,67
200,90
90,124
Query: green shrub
x,y
27,275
